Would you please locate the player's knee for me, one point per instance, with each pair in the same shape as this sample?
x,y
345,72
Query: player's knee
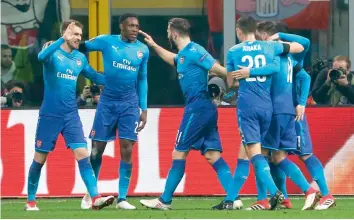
x,y
305,157
212,156
278,156
40,157
178,155
80,153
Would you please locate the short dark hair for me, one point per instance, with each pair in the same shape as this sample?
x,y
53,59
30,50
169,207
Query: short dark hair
x,y
180,25
267,27
124,17
64,25
247,24
14,83
281,26
343,58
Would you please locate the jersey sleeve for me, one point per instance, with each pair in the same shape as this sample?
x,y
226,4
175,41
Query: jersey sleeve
x,y
299,39
304,80
203,59
268,69
96,44
142,82
230,66
89,73
279,48
47,52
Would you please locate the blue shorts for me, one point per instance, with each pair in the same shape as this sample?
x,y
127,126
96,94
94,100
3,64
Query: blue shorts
x,y
199,131
48,129
110,117
304,143
253,124
281,134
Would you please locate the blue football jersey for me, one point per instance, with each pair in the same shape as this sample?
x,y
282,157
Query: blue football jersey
x,y
193,63
60,73
125,65
254,91
282,87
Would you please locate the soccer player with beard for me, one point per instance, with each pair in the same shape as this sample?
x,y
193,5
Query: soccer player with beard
x,y
125,93
62,63
198,129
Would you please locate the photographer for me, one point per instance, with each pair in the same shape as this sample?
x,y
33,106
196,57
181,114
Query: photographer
x,y
335,86
90,96
13,95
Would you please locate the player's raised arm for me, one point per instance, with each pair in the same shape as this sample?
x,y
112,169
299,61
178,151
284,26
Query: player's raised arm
x,y
95,44
91,74
166,55
48,49
284,48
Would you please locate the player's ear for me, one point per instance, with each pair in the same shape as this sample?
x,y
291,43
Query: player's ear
x,y
121,27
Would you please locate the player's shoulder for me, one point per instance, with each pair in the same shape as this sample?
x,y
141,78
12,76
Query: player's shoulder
x,y
195,47
236,48
141,46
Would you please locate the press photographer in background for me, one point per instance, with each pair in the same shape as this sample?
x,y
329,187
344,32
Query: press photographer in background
x,y
335,86
13,95
89,97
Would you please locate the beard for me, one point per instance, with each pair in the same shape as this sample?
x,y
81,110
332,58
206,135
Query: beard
x,y
172,44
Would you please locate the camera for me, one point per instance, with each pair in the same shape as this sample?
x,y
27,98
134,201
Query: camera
x,y
95,90
14,97
335,74
214,90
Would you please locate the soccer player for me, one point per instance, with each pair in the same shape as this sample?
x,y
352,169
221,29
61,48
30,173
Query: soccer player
x,y
125,93
304,150
62,64
254,105
281,136
198,129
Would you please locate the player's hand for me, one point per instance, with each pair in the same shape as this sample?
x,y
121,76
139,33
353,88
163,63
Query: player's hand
x,y
300,112
47,44
68,34
148,39
143,119
274,37
242,73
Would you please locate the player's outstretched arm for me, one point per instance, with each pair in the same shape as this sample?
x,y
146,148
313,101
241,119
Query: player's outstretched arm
x,y
219,70
91,74
49,49
295,38
245,72
95,44
166,55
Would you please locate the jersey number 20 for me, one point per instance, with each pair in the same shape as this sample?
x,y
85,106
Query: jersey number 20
x,y
257,61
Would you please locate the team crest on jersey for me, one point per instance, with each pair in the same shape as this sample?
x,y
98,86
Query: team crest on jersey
x,y
140,54
180,76
78,62
39,143
181,60
93,132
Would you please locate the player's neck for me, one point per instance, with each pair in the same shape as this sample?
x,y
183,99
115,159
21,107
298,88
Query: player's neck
x,y
249,37
182,43
66,48
125,39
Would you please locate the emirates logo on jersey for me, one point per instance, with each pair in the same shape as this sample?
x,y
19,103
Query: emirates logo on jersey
x,y
140,54
181,60
39,143
78,62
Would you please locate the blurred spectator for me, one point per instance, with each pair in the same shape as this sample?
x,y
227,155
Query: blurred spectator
x,y
14,95
90,96
8,67
335,86
217,89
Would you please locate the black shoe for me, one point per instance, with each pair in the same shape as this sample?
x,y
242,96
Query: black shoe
x,y
276,200
224,205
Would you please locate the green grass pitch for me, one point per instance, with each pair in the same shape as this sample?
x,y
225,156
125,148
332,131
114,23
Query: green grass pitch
x,y
183,207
